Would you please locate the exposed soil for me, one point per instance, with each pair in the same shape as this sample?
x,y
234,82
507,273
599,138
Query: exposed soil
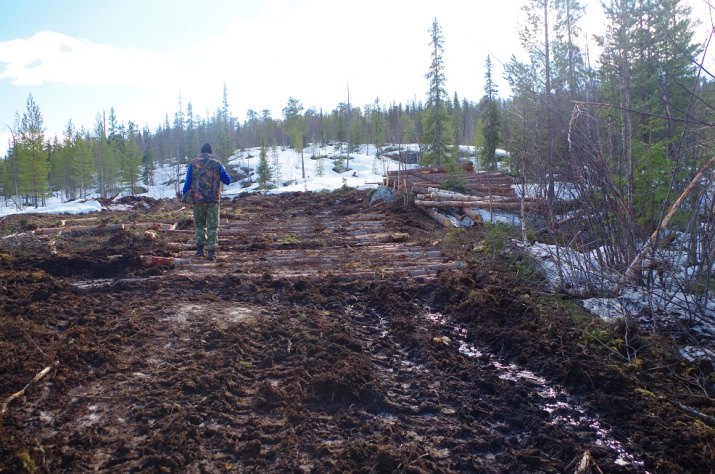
x,y
362,350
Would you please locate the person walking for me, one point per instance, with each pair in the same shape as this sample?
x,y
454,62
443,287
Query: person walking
x,y
203,181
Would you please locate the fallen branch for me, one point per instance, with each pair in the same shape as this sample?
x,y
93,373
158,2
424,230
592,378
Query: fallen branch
x,y
663,225
19,394
692,411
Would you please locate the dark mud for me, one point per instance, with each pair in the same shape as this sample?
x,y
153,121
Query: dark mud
x,y
162,372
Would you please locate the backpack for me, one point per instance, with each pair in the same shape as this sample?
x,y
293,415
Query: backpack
x,y
206,185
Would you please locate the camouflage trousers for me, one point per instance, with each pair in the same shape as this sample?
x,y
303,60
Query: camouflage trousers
x,y
206,222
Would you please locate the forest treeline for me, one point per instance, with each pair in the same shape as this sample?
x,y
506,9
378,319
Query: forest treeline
x,y
629,130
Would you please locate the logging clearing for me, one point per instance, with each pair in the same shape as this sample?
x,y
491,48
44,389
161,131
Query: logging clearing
x,y
330,335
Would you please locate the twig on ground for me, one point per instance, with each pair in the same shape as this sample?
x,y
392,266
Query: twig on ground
x,y
19,394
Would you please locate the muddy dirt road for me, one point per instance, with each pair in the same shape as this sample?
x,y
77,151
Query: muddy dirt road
x,y
330,337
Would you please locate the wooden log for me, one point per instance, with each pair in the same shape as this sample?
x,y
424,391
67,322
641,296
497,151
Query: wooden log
x,y
491,189
182,231
107,227
179,246
389,237
472,214
468,199
489,174
49,230
485,199
150,260
432,178
78,220
435,192
488,184
442,220
431,174
460,204
79,228
143,225
419,189
455,213
444,204
467,166
440,194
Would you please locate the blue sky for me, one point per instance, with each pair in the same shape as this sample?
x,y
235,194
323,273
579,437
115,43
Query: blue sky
x,y
80,57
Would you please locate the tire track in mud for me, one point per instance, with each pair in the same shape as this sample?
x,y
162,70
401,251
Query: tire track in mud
x,y
462,412
431,406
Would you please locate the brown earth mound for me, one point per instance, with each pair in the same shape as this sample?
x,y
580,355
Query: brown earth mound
x,y
323,340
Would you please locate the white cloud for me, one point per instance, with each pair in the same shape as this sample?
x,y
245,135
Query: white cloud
x,y
309,49
49,57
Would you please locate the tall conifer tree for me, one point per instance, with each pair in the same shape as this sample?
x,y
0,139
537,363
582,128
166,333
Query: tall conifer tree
x,y
436,120
33,164
491,123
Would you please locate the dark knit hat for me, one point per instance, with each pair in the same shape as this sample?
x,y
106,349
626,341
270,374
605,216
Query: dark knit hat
x,y
206,148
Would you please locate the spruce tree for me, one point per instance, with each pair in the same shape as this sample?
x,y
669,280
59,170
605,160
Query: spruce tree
x,y
647,73
224,125
491,125
436,120
33,165
263,170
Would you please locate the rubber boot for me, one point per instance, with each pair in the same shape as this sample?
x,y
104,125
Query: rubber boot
x,y
199,251
211,255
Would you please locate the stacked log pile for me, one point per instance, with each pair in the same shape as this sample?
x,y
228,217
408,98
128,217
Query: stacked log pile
x,y
487,190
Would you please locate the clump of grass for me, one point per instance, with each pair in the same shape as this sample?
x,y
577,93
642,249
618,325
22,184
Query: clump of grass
x,y
28,465
288,239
